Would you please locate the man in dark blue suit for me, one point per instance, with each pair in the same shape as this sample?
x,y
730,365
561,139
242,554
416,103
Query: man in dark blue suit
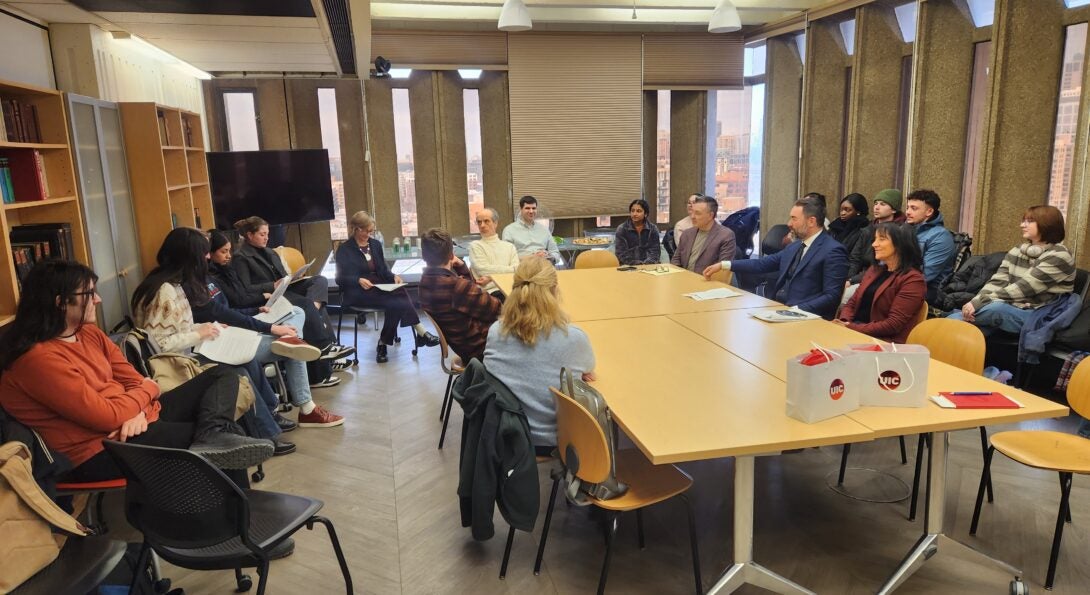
x,y
812,269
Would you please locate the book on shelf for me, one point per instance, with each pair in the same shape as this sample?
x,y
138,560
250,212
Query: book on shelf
x,y
20,121
7,191
26,167
58,237
25,255
164,132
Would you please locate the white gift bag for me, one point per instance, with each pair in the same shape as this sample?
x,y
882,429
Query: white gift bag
x,y
824,390
897,373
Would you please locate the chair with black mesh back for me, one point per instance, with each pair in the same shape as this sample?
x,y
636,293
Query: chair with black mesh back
x,y
194,517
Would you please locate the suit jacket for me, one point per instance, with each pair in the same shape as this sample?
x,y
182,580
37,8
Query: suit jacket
x,y
719,247
258,268
896,306
818,281
352,266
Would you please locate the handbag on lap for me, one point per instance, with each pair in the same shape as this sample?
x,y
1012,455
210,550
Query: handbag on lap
x,y
595,403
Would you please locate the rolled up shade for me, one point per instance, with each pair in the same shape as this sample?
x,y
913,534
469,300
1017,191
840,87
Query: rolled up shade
x,y
688,61
417,49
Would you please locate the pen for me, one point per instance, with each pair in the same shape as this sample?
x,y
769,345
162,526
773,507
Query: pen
x,y
971,394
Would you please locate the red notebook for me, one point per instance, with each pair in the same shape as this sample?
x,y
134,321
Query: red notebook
x,y
982,401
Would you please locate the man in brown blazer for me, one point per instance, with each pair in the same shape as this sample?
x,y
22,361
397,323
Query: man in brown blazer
x,y
707,242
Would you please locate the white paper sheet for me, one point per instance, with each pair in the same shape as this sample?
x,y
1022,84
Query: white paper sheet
x,y
234,346
713,294
280,310
388,286
784,315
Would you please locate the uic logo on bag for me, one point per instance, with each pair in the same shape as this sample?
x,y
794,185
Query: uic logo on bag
x,y
889,380
836,389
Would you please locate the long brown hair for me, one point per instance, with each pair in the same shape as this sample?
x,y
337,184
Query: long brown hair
x,y
533,308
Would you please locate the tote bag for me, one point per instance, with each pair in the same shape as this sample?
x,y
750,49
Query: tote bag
x,y
897,374
823,390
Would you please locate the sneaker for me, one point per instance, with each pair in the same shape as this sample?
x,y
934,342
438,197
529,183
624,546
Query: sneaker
x,y
380,355
286,425
427,340
319,418
295,348
282,447
341,365
328,382
231,451
335,351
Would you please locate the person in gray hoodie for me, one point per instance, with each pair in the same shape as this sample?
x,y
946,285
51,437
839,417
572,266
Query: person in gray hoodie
x,y
936,242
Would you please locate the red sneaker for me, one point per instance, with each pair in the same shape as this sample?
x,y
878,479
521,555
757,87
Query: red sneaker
x,y
295,348
319,418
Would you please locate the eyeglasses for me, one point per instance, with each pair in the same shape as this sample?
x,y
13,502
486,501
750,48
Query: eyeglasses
x,y
90,293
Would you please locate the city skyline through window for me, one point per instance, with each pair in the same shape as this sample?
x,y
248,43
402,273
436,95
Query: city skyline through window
x,y
662,159
736,140
406,174
331,141
1067,118
471,102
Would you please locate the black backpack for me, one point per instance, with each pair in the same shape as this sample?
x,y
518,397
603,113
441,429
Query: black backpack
x,y
136,345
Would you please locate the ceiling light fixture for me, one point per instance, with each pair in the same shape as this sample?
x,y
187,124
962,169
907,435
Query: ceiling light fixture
x,y
514,16
401,73
725,19
470,73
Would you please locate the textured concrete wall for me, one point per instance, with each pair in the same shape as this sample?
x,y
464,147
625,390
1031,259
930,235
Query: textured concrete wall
x,y
688,132
783,112
496,143
1027,53
424,121
823,110
944,44
380,127
454,189
874,114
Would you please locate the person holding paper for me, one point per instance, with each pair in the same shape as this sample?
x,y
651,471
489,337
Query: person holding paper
x,y
637,239
1031,276
65,379
810,271
706,242
454,300
161,306
531,343
490,255
887,304
361,265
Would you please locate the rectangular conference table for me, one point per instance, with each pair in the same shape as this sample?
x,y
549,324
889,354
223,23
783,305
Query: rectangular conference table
x,y
607,294
719,370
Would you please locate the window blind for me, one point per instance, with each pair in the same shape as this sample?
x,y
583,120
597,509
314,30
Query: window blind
x,y
693,60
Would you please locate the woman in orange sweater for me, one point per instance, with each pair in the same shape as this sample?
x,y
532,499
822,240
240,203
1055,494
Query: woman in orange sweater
x,y
64,378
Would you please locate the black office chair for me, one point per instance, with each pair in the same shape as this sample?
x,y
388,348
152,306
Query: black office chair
x,y
194,517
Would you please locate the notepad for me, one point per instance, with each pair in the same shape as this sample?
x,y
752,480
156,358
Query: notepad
x,y
986,401
713,294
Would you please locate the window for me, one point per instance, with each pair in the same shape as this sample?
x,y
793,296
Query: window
x,y
662,159
847,31
1067,118
736,139
974,141
331,141
983,12
800,41
1076,3
906,20
241,116
406,175
471,102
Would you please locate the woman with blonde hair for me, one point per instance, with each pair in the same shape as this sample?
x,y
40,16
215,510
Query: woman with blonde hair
x,y
531,342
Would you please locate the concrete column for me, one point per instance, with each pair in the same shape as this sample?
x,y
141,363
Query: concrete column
x,y
783,112
380,130
426,163
496,143
823,109
688,133
454,186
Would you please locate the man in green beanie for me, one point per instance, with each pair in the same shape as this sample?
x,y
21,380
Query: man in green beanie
x,y
887,207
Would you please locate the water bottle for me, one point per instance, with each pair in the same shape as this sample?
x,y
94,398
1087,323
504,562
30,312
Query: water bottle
x,y
397,247
378,236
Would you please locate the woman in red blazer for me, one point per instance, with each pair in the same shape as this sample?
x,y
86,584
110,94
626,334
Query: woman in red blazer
x,y
887,304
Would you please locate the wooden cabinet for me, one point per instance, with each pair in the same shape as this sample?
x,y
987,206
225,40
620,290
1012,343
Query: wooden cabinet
x,y
61,204
168,173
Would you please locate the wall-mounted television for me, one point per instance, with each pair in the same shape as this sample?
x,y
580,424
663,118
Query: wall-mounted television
x,y
279,186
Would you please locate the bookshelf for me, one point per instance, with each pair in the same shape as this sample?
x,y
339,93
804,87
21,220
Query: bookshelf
x,y
57,201
168,172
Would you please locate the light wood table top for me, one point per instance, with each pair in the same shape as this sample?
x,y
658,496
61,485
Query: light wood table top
x,y
697,401
608,294
769,345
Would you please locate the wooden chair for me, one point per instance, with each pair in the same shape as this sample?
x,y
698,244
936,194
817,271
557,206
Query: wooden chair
x,y
596,259
922,317
723,276
1066,454
959,344
293,259
452,366
584,451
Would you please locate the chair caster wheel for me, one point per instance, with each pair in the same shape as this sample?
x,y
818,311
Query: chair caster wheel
x,y
162,585
1018,587
245,583
257,476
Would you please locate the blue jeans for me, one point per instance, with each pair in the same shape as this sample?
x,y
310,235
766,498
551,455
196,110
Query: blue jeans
x,y
1084,428
295,371
997,316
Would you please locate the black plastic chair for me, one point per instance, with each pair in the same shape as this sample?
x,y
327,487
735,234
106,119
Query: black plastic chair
x,y
194,517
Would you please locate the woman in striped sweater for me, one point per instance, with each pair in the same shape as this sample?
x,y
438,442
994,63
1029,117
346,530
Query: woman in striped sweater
x,y
1031,275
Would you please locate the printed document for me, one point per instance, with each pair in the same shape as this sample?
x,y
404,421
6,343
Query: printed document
x,y
234,346
713,294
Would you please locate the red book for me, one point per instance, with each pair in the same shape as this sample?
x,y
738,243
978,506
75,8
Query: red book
x,y
979,401
26,177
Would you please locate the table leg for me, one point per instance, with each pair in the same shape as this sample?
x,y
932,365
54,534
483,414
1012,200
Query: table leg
x,y
745,570
934,508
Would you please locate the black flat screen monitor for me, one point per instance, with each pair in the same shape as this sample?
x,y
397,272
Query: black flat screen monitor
x,y
279,186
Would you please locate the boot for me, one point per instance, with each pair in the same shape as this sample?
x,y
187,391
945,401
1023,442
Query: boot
x,y
231,451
